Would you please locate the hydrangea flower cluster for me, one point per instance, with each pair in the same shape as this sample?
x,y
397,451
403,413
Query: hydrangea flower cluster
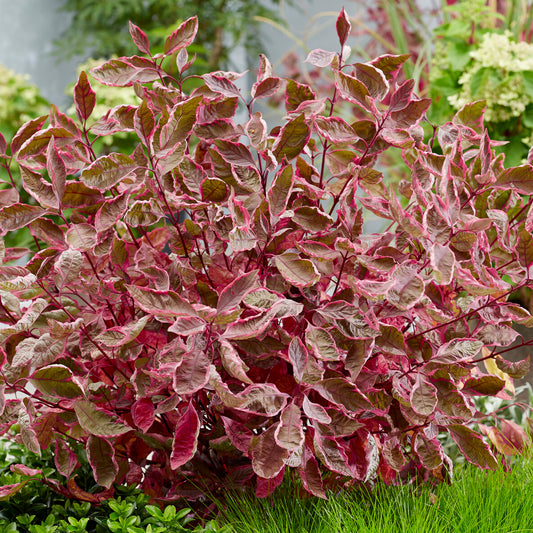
x,y
496,75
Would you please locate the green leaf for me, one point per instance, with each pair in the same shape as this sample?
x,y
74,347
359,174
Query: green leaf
x,y
55,380
98,422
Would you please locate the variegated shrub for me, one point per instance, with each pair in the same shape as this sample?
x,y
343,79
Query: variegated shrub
x,y
206,311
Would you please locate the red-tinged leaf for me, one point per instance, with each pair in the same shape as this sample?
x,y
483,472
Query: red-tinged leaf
x,y
56,170
297,271
472,447
144,123
408,288
256,129
289,433
78,194
305,368
81,237
111,211
180,123
392,453
280,191
25,132
292,139
443,262
296,93
125,71
214,190
373,78
266,88
267,456
250,327
6,491
332,455
193,372
76,493
397,137
516,370
342,393
235,153
483,385
121,335
310,475
315,411
458,350
519,179
96,421
354,91
55,381
101,456
343,27
242,239
25,470
84,97
390,64
143,213
185,440
402,96
265,68
18,216
233,364
263,399
68,266
143,413
320,58
139,38
160,303
27,431
321,343
232,295
40,189
429,450
239,435
3,145
265,487
335,129
107,171
182,37
221,85
515,434
221,128
423,397
411,114
185,325
64,458
524,247
472,115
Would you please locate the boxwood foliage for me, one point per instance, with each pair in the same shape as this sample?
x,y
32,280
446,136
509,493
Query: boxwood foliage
x,y
205,311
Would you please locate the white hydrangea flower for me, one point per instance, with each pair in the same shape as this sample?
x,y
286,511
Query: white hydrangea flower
x,y
504,90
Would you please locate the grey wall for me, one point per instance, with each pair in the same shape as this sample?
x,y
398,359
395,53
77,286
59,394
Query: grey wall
x,y
27,31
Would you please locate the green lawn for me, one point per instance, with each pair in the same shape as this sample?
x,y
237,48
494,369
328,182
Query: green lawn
x,y
476,502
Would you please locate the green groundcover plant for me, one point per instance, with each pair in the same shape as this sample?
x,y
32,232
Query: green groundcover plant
x,y
205,311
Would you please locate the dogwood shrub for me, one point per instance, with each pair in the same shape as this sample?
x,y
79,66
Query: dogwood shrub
x,y
206,311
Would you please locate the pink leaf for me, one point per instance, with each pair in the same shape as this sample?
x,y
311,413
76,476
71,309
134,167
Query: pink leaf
x,y
343,27
101,456
182,37
267,456
143,412
185,438
139,38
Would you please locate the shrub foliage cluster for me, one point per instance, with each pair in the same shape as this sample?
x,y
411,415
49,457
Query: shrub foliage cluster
x,y
206,311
